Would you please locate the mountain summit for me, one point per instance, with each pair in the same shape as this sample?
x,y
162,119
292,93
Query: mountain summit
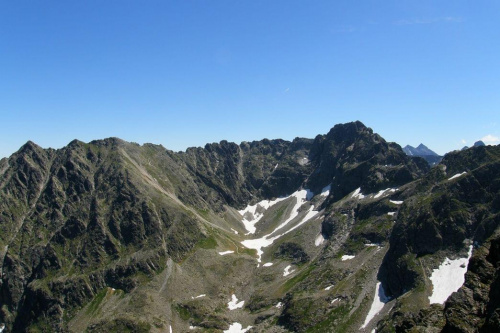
x,y
340,233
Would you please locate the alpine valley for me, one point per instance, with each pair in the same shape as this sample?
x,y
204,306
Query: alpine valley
x,y
340,233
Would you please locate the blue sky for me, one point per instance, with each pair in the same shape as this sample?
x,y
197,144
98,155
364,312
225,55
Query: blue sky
x,y
184,73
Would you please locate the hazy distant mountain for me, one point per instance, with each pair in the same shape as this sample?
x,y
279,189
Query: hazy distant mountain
x,y
340,233
422,151
479,143
476,144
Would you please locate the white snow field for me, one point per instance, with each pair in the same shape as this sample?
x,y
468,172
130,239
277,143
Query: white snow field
x,y
347,257
448,278
378,303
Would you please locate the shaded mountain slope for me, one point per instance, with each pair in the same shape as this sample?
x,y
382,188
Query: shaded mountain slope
x,y
453,207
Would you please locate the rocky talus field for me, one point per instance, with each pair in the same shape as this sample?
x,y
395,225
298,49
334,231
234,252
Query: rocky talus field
x,y
340,233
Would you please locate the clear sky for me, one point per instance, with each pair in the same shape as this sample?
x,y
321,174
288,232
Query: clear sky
x,y
184,73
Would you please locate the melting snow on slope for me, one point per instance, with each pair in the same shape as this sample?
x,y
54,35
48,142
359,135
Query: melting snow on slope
x,y
252,214
396,202
268,264
381,192
199,296
457,175
287,270
301,197
237,328
358,194
391,213
379,301
319,239
329,287
347,257
233,304
170,328
448,278
225,252
279,305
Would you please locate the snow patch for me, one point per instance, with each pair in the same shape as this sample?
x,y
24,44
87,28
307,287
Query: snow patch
x,y
233,304
358,194
237,328
334,300
268,264
457,175
287,270
199,296
381,192
396,202
448,278
170,328
326,191
279,305
379,301
319,239
253,213
391,213
329,287
225,252
236,232
347,257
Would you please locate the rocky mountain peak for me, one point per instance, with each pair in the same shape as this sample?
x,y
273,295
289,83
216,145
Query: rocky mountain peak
x,y
347,132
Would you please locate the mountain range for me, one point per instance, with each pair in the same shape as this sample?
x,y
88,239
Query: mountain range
x,y
422,151
341,233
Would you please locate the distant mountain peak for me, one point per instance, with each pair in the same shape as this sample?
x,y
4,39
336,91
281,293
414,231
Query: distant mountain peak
x,y
423,151
479,143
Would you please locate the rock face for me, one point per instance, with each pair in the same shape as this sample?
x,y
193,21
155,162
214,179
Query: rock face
x,y
444,213
113,236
